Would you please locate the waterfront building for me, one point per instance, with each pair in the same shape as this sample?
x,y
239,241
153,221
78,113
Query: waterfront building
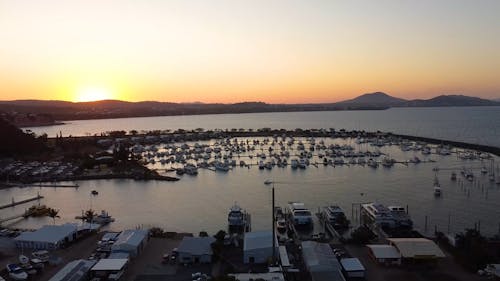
x,y
321,262
384,254
195,250
417,248
49,237
258,247
109,269
131,241
77,270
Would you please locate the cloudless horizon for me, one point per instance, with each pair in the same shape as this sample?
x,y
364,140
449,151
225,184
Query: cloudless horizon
x,y
226,51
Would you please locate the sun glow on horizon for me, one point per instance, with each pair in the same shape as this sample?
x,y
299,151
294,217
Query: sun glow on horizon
x,y
88,94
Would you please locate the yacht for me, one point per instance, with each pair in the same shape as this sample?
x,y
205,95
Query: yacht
x,y
335,215
221,166
191,169
299,214
16,272
302,163
437,187
103,218
453,176
280,219
261,165
401,216
238,220
392,217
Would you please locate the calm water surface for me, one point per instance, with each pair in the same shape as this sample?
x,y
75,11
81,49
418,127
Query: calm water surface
x,y
201,202
468,124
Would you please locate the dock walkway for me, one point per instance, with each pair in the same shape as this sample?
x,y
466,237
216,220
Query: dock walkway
x,y
15,203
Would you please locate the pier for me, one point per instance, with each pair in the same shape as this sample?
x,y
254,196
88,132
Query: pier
x,y
14,203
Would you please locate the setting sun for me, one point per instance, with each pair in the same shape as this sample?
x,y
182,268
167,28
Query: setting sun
x,y
92,94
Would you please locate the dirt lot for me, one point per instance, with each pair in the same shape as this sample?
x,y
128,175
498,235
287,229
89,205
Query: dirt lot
x,y
445,270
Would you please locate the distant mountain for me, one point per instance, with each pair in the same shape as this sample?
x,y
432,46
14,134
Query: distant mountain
x,y
23,112
374,99
451,100
383,99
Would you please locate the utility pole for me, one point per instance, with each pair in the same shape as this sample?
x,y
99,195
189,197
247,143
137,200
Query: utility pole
x,y
274,229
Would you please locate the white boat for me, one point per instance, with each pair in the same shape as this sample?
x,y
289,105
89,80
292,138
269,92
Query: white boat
x,y
393,217
16,272
24,259
280,219
299,214
220,166
238,220
453,176
335,216
437,187
191,169
103,218
302,163
268,182
42,255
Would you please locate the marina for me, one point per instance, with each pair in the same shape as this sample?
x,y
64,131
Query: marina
x,y
226,168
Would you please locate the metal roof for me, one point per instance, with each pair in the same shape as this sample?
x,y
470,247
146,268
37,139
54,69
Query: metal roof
x,y
110,265
417,248
49,233
319,257
196,246
130,237
383,251
73,271
352,264
258,240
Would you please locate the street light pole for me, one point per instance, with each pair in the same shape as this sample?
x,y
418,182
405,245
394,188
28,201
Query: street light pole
x,y
273,228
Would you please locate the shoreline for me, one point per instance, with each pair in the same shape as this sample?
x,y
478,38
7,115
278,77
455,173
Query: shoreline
x,y
135,171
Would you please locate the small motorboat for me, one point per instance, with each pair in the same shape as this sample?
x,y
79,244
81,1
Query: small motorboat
x,y
437,187
16,272
268,182
94,192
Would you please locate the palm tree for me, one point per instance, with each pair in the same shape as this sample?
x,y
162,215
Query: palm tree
x,y
53,213
89,215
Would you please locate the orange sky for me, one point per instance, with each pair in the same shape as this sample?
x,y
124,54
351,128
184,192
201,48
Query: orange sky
x,y
281,51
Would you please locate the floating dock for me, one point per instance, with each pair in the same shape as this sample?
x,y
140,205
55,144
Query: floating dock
x,y
15,203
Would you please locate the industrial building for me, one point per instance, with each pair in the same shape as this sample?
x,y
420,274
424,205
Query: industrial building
x,y
77,270
321,262
195,250
131,241
258,247
48,237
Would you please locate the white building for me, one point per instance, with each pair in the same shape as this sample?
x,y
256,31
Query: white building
x,y
417,248
195,250
131,241
384,254
49,237
258,247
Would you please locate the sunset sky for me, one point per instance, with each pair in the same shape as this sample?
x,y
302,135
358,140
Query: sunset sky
x,y
281,51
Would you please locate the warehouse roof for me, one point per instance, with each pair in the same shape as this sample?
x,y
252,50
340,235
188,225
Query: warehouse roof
x,y
417,248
